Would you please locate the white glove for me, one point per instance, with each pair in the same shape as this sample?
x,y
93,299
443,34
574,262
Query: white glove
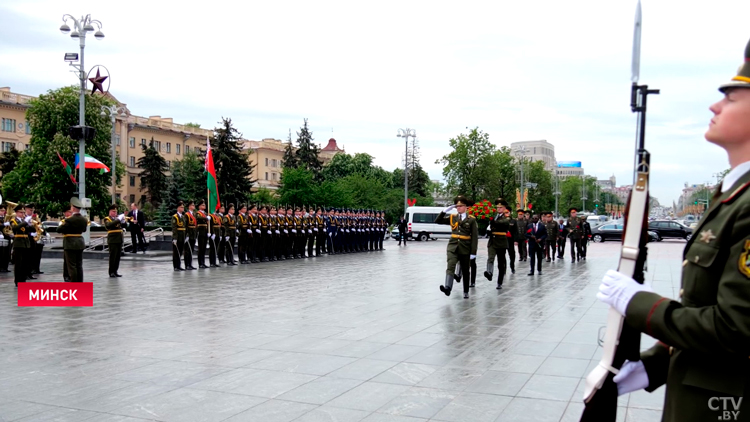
x,y
27,219
310,231
33,234
257,231
187,240
472,257
249,231
632,377
226,238
174,242
617,290
330,234
238,232
277,232
315,229
293,231
7,224
286,231
2,237
213,236
448,209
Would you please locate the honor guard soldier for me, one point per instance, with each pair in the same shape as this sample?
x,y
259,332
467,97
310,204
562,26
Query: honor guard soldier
x,y
202,232
229,223
255,234
462,247
299,241
5,237
319,228
265,234
221,235
214,239
331,232
73,244
704,336
550,246
179,236
244,236
288,233
310,225
21,226
113,223
498,242
192,233
575,231
67,212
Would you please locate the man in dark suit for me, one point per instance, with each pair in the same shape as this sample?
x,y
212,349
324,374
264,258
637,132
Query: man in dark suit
x,y
402,228
537,235
137,225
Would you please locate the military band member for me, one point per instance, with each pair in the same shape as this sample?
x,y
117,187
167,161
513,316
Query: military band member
x,y
21,226
498,242
229,223
575,231
244,235
704,336
113,223
179,236
512,229
7,236
202,232
67,212
73,243
214,238
36,240
462,247
550,246
221,235
191,233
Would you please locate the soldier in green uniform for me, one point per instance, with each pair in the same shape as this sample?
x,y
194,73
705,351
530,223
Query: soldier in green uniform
x,y
264,246
462,247
498,243
113,223
550,245
253,224
220,235
575,231
244,236
202,231
73,243
6,235
21,225
214,239
191,234
704,337
229,224
179,236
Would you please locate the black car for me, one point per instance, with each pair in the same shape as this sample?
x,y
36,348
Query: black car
x,y
613,231
666,229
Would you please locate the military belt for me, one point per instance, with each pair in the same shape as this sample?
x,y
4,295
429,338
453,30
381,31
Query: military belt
x,y
71,235
202,225
181,229
21,235
501,233
462,237
114,231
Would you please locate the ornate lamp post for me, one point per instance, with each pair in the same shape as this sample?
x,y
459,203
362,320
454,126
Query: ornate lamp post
x,y
406,133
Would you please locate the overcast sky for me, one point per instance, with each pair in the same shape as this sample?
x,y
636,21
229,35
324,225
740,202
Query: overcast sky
x,y
359,71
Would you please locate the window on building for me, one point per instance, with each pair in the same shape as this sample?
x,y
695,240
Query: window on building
x,y
267,163
131,142
28,128
117,197
9,125
266,175
169,147
27,147
7,146
117,140
132,180
143,141
131,162
187,149
273,176
132,199
169,164
177,149
275,162
157,145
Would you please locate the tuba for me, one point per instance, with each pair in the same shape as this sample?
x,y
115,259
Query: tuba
x,y
9,215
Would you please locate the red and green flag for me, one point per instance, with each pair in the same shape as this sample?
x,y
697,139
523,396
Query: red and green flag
x,y
67,168
213,187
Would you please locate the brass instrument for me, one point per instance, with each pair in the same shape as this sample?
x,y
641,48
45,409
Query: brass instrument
x,y
9,213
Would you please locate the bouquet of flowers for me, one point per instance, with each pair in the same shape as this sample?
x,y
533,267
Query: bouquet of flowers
x,y
482,210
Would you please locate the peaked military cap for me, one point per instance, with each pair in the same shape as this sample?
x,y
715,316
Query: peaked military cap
x,y
18,207
180,204
201,202
742,80
29,205
76,203
462,200
113,207
503,202
573,209
3,206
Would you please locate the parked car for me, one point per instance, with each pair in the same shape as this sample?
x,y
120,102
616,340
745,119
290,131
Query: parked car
x,y
666,229
50,226
613,231
395,234
421,223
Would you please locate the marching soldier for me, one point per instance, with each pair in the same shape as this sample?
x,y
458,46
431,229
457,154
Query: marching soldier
x,y
562,234
179,236
21,226
113,223
521,236
244,236
702,350
575,232
192,231
213,241
498,242
201,219
462,247
221,235
550,244
73,243
6,235
512,229
229,223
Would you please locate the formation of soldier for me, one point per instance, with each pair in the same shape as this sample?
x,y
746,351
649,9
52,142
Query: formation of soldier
x,y
265,233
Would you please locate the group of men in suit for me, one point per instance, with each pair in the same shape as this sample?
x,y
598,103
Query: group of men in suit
x,y
265,233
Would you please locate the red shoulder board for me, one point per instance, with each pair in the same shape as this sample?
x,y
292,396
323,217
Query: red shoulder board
x,y
736,192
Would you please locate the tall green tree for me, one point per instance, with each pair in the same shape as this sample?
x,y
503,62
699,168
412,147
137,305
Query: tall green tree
x,y
541,196
190,177
168,206
419,181
297,187
290,158
467,167
263,196
501,177
8,160
38,176
233,165
307,152
153,174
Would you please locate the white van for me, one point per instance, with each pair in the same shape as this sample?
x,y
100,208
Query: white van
x,y
596,220
422,223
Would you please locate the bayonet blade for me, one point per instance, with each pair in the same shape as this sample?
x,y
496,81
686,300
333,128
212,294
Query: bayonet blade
x,y
636,66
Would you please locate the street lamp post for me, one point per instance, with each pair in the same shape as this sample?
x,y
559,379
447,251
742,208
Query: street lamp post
x,y
406,133
113,111
583,191
80,28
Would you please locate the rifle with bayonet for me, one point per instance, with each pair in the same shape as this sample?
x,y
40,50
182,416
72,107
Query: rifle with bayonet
x,y
622,342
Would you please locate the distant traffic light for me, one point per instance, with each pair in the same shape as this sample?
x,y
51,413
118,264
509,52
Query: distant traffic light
x,y
597,205
696,202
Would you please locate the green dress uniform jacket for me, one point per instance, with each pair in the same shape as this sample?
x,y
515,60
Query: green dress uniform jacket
x,y
72,230
201,223
553,228
21,230
498,231
114,231
179,227
575,228
704,349
464,235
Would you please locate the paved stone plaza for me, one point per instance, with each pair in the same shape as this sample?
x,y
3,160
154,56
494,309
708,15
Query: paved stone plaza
x,y
359,337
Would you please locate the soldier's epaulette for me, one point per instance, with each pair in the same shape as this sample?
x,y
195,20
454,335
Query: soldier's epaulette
x,y
735,193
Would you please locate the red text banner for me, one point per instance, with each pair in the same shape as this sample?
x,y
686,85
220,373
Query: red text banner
x,y
55,294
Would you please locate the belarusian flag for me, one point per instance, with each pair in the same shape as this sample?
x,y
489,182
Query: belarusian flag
x,y
213,187
92,163
67,168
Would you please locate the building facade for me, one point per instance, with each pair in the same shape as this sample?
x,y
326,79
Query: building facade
x,y
15,132
536,151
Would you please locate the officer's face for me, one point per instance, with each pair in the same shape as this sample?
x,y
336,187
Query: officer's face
x,y
202,207
180,209
730,126
112,213
461,208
